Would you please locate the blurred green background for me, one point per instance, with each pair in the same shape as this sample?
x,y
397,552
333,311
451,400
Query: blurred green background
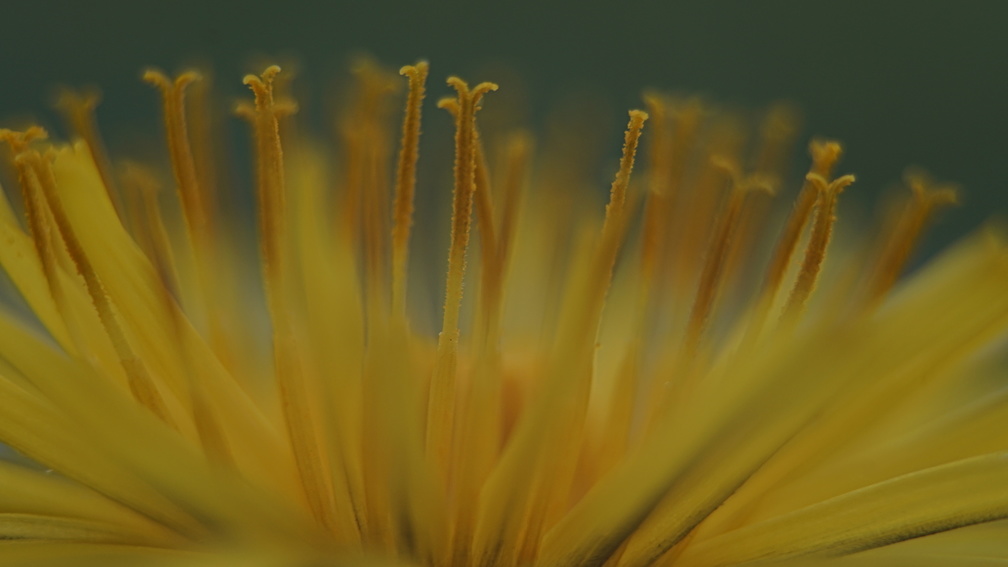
x,y
900,82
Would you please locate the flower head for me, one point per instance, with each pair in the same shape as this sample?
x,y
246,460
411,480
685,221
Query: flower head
x,y
648,387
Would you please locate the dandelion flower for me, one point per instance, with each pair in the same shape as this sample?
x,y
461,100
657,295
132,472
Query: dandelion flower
x,y
678,379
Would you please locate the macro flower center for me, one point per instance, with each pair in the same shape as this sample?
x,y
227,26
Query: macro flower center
x,y
681,377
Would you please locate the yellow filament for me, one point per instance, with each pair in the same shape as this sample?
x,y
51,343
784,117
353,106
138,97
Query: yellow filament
x,y
496,240
616,209
579,329
149,227
40,182
481,411
518,150
196,207
153,237
705,192
367,145
620,409
153,234
375,227
35,211
531,482
39,227
659,166
441,403
710,277
491,270
675,205
776,136
927,198
294,393
78,111
272,208
770,162
815,250
182,160
208,426
405,185
47,225
825,154
34,207
201,123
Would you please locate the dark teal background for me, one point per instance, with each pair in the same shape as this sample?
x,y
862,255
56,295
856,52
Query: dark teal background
x,y
900,82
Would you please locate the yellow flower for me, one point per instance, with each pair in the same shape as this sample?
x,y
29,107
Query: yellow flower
x,y
727,406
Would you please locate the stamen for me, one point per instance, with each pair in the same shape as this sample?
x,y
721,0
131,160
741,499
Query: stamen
x,y
492,267
681,202
153,237
491,270
815,251
770,161
271,193
616,209
531,484
201,123
35,209
182,160
195,201
481,412
495,241
518,151
406,182
672,207
41,188
365,202
582,324
825,154
78,111
19,141
710,277
655,222
777,132
149,228
440,409
928,197
376,146
294,392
